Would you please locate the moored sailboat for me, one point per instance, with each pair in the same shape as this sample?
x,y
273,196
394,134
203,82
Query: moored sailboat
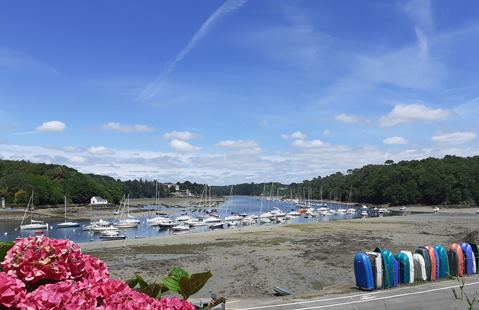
x,y
34,224
67,224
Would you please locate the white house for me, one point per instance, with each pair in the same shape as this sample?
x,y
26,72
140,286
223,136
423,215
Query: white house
x,y
97,200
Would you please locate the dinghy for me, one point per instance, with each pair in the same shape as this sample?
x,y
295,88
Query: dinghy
x,y
427,260
363,272
475,251
419,267
443,261
456,260
468,258
377,267
411,266
404,268
396,273
388,267
434,261
474,267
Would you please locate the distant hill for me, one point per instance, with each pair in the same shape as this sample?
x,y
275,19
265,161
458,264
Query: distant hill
x,y
50,182
451,180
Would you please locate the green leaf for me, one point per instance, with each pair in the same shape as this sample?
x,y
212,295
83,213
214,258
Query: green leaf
x,y
172,281
185,287
198,280
151,289
4,247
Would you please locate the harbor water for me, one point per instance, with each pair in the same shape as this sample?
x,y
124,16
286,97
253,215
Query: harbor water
x,y
9,230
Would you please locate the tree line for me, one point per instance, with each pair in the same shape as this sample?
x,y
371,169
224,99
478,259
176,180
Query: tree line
x,y
450,180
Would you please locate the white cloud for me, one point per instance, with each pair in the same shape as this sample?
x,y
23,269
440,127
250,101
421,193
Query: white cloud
x,y
405,113
179,135
52,126
347,118
182,146
395,140
99,150
241,144
294,135
226,168
455,137
77,159
308,143
327,132
127,128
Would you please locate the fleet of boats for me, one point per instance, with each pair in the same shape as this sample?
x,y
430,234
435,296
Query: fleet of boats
x,y
202,216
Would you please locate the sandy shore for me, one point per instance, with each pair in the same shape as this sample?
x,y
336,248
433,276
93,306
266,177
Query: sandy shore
x,y
307,259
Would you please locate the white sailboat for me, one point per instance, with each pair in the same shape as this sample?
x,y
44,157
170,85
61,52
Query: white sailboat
x,y
67,224
33,223
129,222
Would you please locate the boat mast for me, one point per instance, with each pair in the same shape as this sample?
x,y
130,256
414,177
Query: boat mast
x,y
65,202
26,209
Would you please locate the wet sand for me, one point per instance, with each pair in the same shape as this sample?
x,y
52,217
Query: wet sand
x,y
307,259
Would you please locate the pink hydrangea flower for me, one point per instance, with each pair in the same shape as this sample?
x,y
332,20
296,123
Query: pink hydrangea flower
x,y
12,291
41,259
106,295
94,269
38,258
174,303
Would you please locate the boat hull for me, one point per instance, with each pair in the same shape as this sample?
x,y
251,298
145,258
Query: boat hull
x,y
33,226
419,267
363,272
468,258
68,225
443,261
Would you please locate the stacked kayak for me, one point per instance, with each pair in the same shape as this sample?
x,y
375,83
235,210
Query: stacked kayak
x,y
380,269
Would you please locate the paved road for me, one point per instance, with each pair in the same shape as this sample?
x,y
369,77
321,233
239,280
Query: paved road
x,y
431,296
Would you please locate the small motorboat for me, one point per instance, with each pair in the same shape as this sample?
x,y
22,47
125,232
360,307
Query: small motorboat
x,y
68,224
180,227
216,226
111,235
278,291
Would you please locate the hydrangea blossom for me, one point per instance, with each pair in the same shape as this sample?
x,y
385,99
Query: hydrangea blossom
x,y
75,281
38,258
106,295
12,291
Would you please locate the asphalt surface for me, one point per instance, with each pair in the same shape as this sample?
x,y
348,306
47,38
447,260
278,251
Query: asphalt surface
x,y
429,296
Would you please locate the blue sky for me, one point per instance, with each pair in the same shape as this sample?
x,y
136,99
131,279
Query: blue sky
x,y
237,91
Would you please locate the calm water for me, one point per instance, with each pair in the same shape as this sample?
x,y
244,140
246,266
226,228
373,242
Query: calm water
x,y
238,204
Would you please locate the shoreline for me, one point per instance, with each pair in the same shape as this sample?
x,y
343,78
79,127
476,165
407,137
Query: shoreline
x,y
306,259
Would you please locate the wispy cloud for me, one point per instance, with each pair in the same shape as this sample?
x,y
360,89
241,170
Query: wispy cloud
x,y
455,137
294,135
406,113
11,58
155,87
396,140
348,118
241,146
115,126
180,135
